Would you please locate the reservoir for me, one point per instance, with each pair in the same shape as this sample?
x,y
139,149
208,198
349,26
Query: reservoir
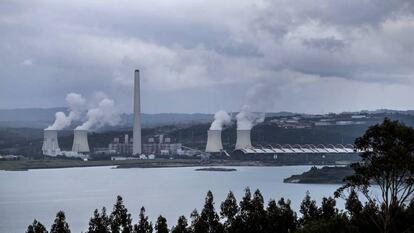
x,y
171,192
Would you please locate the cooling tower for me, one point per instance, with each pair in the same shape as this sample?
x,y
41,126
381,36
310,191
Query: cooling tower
x,y
50,143
214,141
80,141
136,147
243,139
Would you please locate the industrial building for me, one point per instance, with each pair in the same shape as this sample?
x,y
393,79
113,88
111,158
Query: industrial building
x,y
124,147
300,154
160,145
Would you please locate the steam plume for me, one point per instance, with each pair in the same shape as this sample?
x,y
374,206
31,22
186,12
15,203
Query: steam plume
x,y
104,114
246,119
221,118
76,105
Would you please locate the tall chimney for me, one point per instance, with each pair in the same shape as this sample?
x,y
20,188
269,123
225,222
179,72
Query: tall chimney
x,y
243,139
50,143
136,147
214,143
80,141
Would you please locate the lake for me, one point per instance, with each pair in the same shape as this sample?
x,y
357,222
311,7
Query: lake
x,y
40,194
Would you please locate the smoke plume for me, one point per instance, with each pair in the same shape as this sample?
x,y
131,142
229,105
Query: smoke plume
x,y
246,119
103,114
221,118
76,105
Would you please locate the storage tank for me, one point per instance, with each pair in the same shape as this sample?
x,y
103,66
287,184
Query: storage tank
x,y
214,143
243,139
50,145
80,141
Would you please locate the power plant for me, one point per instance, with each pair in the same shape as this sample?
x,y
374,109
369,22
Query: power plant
x,y
214,143
243,139
136,147
80,141
50,143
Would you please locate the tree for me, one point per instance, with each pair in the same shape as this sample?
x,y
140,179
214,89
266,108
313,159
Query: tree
x,y
328,209
208,221
229,210
353,205
120,218
161,225
36,227
143,226
280,217
181,226
99,223
60,225
387,161
309,209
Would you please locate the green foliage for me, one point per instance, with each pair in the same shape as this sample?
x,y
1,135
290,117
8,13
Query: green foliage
x,y
100,222
161,225
181,227
208,221
143,226
36,227
309,209
280,217
229,210
120,218
387,161
60,225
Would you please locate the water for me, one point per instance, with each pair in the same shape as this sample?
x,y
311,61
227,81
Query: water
x,y
25,195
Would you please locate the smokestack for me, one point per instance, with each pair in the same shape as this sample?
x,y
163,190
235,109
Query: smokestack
x,y
136,147
126,139
50,143
214,141
80,141
243,139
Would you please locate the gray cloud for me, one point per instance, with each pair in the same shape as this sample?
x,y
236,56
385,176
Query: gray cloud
x,y
206,56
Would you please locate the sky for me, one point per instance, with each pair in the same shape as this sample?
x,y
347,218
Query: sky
x,y
305,56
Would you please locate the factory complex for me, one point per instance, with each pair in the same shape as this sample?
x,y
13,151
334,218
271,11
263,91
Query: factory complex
x,y
164,146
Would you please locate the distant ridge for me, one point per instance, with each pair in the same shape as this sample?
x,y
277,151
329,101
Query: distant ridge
x,y
42,117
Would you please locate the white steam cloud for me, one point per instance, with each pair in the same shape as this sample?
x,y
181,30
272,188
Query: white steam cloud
x,y
76,105
103,114
221,118
246,119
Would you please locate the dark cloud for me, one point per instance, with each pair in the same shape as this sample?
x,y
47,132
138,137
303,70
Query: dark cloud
x,y
204,56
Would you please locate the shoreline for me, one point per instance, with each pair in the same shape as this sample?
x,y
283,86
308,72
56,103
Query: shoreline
x,y
24,165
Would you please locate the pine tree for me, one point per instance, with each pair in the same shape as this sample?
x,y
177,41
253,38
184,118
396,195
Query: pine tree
x,y
143,226
99,223
328,210
181,226
280,217
120,218
161,225
198,224
209,215
309,209
36,227
229,210
256,220
60,225
288,217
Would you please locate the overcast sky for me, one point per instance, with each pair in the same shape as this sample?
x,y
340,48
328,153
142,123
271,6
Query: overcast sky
x,y
202,56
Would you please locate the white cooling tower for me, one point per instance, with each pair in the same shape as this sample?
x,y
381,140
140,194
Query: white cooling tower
x,y
243,139
136,147
80,141
214,141
50,143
